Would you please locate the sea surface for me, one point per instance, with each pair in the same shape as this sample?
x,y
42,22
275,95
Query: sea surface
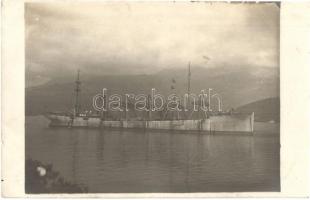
x,y
134,161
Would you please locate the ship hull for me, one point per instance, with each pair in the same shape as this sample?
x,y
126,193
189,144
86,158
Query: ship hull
x,y
219,123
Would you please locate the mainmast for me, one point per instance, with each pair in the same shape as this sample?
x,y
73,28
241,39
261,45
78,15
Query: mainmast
x,y
189,79
77,91
189,87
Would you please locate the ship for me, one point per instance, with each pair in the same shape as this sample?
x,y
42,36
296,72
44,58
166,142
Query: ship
x,y
208,122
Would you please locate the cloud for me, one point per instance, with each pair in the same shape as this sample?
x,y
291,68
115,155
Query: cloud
x,y
137,37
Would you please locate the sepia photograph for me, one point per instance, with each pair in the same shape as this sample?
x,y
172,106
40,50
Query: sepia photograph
x,y
152,97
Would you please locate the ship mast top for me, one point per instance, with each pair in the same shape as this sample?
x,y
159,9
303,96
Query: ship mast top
x,y
77,91
189,79
189,86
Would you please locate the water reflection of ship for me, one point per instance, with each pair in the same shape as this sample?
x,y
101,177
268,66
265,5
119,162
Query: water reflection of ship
x,y
196,120
176,160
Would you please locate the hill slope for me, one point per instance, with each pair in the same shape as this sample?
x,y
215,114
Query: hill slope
x,y
265,110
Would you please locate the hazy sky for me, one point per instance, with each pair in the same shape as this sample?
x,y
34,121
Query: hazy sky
x,y
109,38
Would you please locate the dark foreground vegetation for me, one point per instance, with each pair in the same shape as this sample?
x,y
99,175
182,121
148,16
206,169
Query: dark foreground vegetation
x,y
42,178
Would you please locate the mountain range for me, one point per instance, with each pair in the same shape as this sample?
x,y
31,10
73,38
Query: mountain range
x,y
237,86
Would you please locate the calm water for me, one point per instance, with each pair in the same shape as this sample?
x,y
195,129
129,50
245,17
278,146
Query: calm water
x,y
137,161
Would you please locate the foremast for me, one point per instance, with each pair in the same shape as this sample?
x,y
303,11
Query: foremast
x,y
77,95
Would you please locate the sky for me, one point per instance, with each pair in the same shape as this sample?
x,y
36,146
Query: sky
x,y
145,38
